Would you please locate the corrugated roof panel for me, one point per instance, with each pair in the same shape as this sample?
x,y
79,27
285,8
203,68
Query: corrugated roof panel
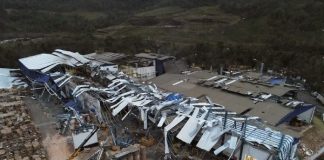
x,y
40,61
74,55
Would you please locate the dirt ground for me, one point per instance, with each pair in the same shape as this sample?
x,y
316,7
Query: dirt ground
x,y
19,137
313,139
57,147
43,113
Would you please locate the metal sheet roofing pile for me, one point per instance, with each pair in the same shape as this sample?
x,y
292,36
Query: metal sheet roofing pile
x,y
204,121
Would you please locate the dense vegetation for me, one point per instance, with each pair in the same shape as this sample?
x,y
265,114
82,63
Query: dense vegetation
x,y
285,34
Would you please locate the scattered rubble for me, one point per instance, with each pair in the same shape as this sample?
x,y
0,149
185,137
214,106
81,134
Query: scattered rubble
x,y
313,140
131,111
18,136
136,152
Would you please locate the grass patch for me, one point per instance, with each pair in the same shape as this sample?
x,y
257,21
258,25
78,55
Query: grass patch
x,y
165,11
201,24
85,14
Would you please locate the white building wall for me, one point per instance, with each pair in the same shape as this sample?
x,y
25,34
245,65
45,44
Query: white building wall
x,y
145,73
140,73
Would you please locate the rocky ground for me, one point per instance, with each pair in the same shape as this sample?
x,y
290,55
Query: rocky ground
x,y
19,138
312,141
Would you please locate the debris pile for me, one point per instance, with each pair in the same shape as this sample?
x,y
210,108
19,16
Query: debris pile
x,y
304,151
135,152
198,123
19,138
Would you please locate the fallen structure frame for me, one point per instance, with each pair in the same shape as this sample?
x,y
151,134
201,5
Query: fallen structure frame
x,y
206,122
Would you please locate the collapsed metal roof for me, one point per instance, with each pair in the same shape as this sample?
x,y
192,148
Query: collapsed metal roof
x,y
105,57
45,62
155,106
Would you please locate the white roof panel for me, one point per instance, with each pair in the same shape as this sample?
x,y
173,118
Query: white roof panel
x,y
74,55
40,61
79,138
69,60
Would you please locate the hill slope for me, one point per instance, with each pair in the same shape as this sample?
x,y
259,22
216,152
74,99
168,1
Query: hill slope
x,y
281,33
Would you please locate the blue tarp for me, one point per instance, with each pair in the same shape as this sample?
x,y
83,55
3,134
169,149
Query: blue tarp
x,y
174,96
276,81
297,111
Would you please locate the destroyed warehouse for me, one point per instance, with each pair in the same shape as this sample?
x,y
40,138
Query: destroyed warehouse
x,y
243,115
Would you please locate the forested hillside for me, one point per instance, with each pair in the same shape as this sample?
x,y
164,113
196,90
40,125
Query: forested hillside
x,y
285,34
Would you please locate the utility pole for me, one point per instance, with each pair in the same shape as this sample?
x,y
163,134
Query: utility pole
x,y
221,70
261,68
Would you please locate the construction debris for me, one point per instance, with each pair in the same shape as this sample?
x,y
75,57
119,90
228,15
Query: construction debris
x,y
19,138
135,152
135,112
